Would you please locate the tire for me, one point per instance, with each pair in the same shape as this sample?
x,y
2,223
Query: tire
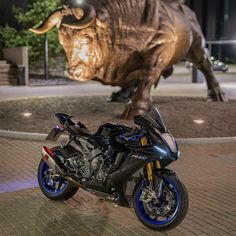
x,y
180,211
65,192
225,69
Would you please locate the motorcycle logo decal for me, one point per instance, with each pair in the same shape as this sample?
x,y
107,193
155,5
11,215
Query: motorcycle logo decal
x,y
139,157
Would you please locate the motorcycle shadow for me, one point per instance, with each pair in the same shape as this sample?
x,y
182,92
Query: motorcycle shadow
x,y
73,217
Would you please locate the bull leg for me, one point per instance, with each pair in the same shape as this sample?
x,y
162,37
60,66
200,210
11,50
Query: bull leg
x,y
124,94
200,59
141,99
156,61
168,72
127,78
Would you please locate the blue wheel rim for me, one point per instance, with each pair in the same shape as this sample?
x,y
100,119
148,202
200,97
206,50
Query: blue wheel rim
x,y
53,191
144,215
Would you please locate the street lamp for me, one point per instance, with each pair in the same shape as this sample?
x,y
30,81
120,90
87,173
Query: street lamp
x,y
45,49
46,56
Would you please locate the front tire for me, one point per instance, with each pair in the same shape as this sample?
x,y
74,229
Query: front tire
x,y
177,210
59,189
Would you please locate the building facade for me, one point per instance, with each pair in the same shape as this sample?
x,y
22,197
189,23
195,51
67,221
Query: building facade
x,y
218,21
217,17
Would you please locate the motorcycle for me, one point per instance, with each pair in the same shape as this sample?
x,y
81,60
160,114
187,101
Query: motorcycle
x,y
124,165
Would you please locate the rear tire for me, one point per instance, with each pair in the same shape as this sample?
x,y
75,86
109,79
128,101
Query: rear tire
x,y
179,209
63,189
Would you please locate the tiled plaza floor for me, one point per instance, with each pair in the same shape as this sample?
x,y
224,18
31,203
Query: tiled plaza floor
x,y
208,172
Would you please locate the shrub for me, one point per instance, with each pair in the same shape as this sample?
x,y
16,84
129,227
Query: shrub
x,y
35,12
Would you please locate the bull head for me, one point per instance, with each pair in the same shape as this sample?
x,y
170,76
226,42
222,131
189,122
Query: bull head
x,y
78,38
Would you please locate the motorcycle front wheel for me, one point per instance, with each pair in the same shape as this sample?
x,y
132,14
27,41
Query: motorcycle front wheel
x,y
168,211
53,188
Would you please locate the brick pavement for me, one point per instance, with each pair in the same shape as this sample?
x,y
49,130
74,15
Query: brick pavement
x,y
208,171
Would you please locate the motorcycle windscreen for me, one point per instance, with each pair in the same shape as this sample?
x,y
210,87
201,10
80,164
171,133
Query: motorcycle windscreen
x,y
151,119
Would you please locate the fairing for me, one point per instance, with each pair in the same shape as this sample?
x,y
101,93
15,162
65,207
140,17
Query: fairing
x,y
160,135
151,120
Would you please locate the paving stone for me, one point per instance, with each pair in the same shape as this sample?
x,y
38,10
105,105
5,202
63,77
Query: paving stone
x,y
208,171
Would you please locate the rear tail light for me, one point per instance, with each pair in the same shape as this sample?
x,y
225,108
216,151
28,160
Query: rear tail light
x,y
52,161
49,151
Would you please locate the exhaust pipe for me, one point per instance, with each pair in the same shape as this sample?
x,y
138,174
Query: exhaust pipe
x,y
74,182
49,157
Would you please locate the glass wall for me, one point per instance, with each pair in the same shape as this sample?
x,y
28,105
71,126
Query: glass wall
x,y
218,22
226,21
225,30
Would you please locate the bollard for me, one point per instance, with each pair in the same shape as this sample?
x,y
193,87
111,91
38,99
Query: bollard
x,y
21,75
197,76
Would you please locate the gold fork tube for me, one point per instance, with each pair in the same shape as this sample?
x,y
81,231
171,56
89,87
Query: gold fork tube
x,y
158,165
149,172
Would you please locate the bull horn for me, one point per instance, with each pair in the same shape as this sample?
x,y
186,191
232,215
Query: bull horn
x,y
86,16
50,22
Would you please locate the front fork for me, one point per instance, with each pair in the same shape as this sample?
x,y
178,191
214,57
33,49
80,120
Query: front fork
x,y
156,182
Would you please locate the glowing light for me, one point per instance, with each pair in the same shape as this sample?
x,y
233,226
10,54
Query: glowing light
x,y
12,186
27,114
160,150
79,1
199,122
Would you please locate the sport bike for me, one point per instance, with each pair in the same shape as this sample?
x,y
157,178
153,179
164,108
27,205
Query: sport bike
x,y
124,165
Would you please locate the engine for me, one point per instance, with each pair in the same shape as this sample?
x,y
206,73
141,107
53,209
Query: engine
x,y
89,165
94,158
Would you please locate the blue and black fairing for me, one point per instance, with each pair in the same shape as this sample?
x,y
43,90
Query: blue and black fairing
x,y
73,124
62,117
56,132
164,146
112,130
132,139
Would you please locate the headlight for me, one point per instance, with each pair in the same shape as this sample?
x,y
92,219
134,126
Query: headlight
x,y
162,151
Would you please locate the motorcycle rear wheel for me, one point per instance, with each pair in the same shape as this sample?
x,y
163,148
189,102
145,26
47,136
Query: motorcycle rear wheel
x,y
178,208
60,189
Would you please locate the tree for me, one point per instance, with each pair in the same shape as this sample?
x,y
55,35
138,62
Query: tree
x,y
36,11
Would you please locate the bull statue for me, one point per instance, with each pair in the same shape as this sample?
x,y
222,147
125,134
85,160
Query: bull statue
x,y
120,42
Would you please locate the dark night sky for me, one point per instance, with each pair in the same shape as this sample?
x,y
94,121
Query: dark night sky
x,y
6,15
